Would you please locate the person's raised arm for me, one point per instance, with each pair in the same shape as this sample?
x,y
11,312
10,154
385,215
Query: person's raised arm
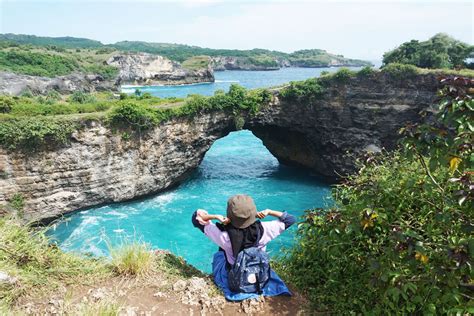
x,y
286,218
201,218
207,217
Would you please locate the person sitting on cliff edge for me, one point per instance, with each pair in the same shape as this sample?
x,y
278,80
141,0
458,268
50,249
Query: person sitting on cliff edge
x,y
241,266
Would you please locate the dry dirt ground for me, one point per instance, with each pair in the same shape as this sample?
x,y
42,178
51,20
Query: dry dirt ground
x,y
155,294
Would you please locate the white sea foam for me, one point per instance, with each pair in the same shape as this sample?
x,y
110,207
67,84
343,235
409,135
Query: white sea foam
x,y
223,81
118,231
117,214
90,220
165,198
78,233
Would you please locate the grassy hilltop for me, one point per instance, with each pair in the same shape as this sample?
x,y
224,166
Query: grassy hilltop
x,y
80,49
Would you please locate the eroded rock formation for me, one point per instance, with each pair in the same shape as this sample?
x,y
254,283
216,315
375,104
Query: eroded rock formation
x,y
143,68
16,84
364,114
100,166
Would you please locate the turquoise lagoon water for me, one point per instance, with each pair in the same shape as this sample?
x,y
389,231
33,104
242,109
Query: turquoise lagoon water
x,y
247,79
238,163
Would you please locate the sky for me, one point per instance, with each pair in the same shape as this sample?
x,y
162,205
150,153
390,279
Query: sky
x,y
356,29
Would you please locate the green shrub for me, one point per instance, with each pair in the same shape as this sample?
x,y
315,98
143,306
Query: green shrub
x,y
106,71
254,99
343,75
307,90
366,72
146,95
6,103
81,97
400,71
399,239
17,202
36,64
440,51
27,93
239,122
29,133
133,115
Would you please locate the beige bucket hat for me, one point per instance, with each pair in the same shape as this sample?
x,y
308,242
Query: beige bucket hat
x,y
241,211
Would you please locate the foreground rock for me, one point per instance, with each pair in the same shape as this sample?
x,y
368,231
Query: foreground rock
x,y
17,84
148,69
323,135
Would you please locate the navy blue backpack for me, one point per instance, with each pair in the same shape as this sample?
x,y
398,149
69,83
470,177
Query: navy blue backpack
x,y
250,272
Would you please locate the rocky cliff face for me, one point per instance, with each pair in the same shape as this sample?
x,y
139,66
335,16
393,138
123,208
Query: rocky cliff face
x,y
16,84
364,114
100,167
143,68
242,63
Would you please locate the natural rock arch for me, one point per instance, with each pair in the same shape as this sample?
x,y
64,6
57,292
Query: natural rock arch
x,y
100,167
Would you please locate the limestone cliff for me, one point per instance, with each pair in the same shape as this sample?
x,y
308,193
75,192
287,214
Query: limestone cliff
x,y
143,68
100,166
364,114
16,84
220,63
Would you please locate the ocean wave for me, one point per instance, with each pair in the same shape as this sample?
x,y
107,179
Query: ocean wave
x,y
165,198
224,81
117,214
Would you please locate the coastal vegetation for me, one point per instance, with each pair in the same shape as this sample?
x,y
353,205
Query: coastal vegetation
x,y
196,62
52,62
186,54
32,122
440,51
62,42
399,237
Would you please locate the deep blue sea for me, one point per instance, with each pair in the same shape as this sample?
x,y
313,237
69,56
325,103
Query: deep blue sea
x,y
238,163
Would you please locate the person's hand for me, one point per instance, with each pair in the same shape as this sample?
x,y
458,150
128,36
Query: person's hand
x,y
263,214
224,220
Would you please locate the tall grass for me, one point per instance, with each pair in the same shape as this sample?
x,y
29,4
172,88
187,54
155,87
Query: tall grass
x,y
132,258
101,308
38,265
